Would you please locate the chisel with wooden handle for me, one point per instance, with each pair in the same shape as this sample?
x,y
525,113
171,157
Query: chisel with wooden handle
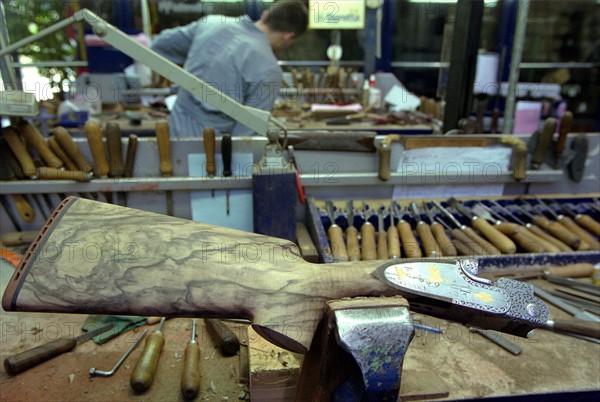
x,y
584,220
93,133
393,237
48,173
554,228
163,141
71,149
439,233
58,151
499,240
35,139
114,147
352,245
226,339
190,378
368,249
21,204
463,244
564,129
543,143
19,150
382,237
20,362
575,227
409,242
567,224
208,135
281,294
430,245
144,370
128,168
336,236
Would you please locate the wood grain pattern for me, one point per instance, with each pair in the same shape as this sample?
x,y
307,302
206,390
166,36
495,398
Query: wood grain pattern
x,y
105,259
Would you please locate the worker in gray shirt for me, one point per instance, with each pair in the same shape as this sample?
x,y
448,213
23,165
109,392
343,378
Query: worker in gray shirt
x,y
235,56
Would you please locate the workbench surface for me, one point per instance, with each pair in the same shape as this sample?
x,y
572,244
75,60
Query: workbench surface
x,y
468,365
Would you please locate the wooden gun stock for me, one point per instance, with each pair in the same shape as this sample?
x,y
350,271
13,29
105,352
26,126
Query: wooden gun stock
x,y
98,258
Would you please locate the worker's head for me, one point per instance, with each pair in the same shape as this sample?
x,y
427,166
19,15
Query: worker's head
x,y
285,20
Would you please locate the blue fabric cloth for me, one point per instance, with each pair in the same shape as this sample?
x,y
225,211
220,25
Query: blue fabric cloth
x,y
230,54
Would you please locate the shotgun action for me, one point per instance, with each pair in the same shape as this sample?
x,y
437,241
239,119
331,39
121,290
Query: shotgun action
x,y
98,258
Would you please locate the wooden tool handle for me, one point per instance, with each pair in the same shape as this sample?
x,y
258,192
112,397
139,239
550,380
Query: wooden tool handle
x,y
393,242
565,127
581,270
526,240
588,223
11,136
71,149
447,247
544,141
429,244
35,139
226,340
588,242
352,246
368,246
163,141
20,362
58,151
382,246
226,152
190,378
336,240
581,327
23,207
497,238
410,245
473,247
209,148
115,149
132,144
94,137
559,231
144,371
385,154
47,173
508,228
488,247
557,245
463,248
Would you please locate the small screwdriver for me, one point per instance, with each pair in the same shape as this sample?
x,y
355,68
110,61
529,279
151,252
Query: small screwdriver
x,y
190,379
143,373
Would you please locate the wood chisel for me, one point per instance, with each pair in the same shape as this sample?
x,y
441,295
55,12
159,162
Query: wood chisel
x,y
393,237
130,154
566,122
352,245
554,228
21,204
144,371
20,362
163,141
226,153
382,245
439,233
226,340
544,139
367,236
499,240
336,236
430,245
586,237
190,378
35,139
583,220
93,133
19,150
208,135
58,151
71,149
548,242
462,234
112,132
409,243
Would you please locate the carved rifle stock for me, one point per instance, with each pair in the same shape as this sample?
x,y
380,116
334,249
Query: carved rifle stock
x,y
98,258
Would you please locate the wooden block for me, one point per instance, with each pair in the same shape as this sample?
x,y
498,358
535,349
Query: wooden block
x,y
273,371
307,247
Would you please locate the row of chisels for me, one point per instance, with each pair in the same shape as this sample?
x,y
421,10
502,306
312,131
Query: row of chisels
x,y
389,230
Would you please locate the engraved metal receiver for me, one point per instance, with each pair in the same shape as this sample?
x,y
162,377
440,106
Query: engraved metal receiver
x,y
453,291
